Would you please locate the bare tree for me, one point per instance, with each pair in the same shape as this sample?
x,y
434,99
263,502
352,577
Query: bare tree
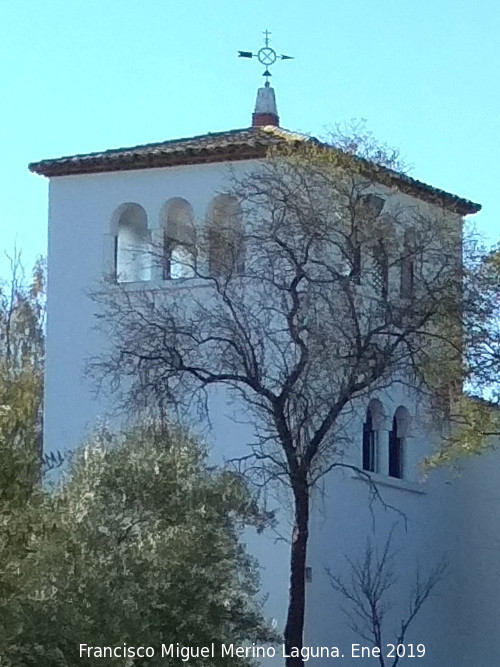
x,y
335,287
368,594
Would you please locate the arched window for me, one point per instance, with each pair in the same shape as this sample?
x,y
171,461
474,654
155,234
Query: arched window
x,y
371,426
132,244
397,436
225,237
408,265
369,208
179,240
395,451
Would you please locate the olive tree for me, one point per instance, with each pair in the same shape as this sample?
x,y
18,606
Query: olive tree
x,y
139,545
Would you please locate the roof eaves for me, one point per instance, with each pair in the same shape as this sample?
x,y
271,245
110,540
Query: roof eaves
x,y
428,193
232,145
240,144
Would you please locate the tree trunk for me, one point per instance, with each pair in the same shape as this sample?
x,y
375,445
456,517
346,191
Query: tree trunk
x,y
294,630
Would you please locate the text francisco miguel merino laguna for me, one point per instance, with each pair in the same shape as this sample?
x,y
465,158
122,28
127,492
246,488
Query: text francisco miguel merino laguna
x,y
186,653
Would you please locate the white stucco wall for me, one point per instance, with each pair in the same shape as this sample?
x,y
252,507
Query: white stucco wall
x,y
81,217
80,250
419,513
476,487
445,516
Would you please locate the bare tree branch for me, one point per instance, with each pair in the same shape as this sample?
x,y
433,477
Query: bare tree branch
x,y
368,593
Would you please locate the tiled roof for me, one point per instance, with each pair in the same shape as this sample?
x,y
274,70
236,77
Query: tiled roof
x,y
245,144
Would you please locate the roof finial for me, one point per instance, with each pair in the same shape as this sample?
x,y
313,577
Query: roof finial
x,y
267,56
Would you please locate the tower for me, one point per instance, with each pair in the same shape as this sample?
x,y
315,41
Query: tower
x,y
100,203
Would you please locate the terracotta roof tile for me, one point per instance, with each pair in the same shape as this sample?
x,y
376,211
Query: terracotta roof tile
x,y
244,144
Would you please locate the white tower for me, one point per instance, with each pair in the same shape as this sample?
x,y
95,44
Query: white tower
x,y
98,203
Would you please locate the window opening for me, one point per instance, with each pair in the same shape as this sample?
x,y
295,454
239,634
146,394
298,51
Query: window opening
x,y
369,443
395,451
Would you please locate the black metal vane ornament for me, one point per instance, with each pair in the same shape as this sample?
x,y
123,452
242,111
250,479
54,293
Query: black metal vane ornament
x,y
267,56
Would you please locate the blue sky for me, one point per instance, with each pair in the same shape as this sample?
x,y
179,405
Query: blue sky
x,y
82,76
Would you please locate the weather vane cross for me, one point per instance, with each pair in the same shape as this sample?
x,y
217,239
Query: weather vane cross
x,y
267,56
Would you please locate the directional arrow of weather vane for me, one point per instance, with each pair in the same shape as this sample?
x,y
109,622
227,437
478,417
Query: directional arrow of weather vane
x,y
267,56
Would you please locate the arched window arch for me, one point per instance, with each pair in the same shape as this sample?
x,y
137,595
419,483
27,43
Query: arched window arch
x,y
225,237
397,436
179,240
373,420
408,265
132,252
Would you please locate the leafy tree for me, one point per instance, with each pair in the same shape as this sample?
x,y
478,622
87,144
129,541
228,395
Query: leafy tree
x,y
322,299
473,421
22,347
141,546
22,308
139,543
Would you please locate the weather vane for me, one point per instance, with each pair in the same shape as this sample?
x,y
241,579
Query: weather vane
x,y
267,56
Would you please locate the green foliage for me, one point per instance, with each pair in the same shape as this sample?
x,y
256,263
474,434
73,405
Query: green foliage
x,y
140,545
22,347
471,426
21,394
472,422
483,326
